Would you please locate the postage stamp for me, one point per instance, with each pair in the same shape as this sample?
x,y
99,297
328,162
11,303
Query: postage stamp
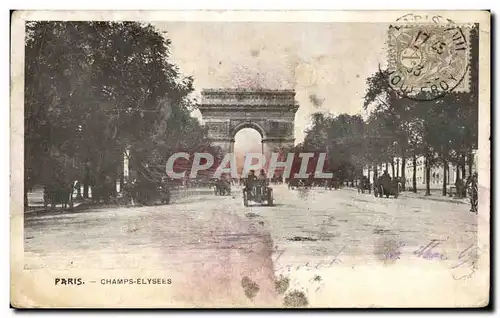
x,y
428,57
235,159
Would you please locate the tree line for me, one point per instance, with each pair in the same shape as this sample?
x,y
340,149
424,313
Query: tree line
x,y
443,131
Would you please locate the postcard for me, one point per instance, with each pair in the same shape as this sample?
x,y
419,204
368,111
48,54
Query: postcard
x,y
250,159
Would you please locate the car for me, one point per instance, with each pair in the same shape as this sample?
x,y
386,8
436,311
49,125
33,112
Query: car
x,y
258,191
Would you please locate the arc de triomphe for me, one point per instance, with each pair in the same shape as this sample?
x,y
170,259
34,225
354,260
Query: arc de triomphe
x,y
270,112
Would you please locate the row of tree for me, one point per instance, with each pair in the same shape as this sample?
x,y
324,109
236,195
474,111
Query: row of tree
x,y
439,132
443,131
96,89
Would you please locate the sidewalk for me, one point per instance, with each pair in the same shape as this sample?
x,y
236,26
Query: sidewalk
x,y
436,195
36,209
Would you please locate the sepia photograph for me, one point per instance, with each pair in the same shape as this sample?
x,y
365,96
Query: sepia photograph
x,y
250,159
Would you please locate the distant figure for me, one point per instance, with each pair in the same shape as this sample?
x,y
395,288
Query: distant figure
x,y
78,188
262,178
251,178
262,175
460,186
224,185
473,193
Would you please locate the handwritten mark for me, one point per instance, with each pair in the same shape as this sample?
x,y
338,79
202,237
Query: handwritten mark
x,y
466,263
308,265
468,257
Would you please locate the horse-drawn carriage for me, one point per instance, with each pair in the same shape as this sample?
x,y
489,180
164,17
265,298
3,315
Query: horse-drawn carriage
x,y
363,185
58,193
332,184
385,186
257,191
147,192
295,183
222,187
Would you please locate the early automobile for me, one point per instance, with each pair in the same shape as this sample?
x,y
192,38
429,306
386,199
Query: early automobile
x,y
385,186
257,191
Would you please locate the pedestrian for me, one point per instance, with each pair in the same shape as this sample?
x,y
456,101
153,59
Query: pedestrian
x,y
473,193
459,185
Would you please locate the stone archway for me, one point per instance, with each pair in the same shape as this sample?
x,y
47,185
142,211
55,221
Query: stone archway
x,y
247,124
270,112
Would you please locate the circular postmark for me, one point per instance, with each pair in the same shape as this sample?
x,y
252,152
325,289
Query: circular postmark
x,y
428,57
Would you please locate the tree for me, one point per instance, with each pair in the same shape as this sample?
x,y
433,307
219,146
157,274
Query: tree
x,y
443,130
416,144
397,113
94,89
342,137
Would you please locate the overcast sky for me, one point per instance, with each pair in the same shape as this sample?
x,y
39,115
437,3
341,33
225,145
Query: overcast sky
x,y
326,63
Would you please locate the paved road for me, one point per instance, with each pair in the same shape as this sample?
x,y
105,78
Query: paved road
x,y
318,223
319,235
200,241
201,235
